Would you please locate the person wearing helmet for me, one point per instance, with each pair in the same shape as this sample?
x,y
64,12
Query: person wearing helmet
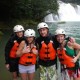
x,y
11,47
47,53
27,52
67,56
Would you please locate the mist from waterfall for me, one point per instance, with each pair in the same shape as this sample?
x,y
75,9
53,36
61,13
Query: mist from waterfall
x,y
66,12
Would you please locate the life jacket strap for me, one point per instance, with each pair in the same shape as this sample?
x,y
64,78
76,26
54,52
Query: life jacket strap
x,y
46,52
28,63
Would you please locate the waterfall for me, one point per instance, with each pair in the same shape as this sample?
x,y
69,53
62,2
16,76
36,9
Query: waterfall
x,y
66,12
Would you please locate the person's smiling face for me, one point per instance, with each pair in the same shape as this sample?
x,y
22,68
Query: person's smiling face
x,y
60,38
43,32
19,34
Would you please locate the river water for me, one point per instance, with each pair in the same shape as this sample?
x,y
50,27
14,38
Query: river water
x,y
72,29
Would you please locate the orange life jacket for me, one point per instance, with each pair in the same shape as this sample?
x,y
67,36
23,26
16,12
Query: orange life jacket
x,y
64,58
47,51
28,58
14,49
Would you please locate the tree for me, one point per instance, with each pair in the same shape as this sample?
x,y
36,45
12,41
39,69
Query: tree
x,y
28,9
40,8
7,8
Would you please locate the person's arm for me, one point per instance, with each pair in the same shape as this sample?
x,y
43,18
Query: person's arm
x,y
76,57
74,45
35,51
20,49
7,50
77,47
71,39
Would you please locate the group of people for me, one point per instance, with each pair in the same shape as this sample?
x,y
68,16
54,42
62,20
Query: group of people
x,y
23,51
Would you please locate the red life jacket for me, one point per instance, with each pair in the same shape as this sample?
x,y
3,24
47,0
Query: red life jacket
x,y
28,58
47,51
64,58
14,49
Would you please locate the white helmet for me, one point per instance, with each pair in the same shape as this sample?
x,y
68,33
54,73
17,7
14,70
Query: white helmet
x,y
18,28
29,33
59,31
42,25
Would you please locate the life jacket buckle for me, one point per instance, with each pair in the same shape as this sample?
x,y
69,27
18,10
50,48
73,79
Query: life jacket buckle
x,y
60,54
29,56
47,48
47,58
61,59
46,52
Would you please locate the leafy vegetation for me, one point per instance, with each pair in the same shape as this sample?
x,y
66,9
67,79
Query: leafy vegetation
x,y
35,10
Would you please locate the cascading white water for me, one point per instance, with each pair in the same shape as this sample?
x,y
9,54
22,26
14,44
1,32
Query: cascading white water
x,y
49,18
78,10
66,12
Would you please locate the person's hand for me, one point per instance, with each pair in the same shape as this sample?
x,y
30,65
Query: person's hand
x,y
7,66
35,51
74,59
71,39
26,50
70,43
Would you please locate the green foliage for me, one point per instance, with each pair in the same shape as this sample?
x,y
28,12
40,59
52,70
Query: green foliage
x,y
26,23
7,8
1,33
41,7
28,9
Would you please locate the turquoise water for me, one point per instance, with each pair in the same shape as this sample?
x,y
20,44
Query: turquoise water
x,y
72,29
